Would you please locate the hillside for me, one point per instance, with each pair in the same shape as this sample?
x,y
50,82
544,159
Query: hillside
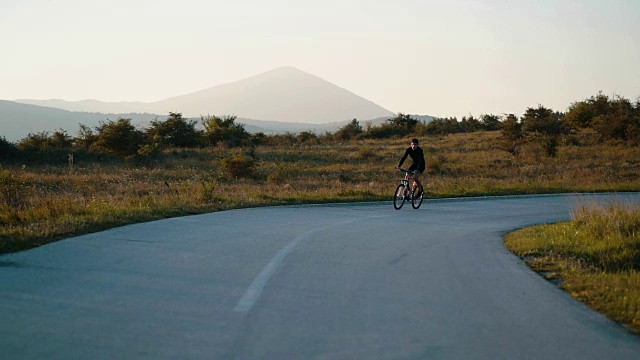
x,y
18,120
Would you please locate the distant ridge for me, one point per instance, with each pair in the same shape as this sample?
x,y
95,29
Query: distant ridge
x,y
284,94
89,105
18,120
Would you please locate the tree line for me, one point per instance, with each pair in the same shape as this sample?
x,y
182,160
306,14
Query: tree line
x,y
607,118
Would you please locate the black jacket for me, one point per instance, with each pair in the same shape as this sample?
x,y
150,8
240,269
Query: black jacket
x,y
417,156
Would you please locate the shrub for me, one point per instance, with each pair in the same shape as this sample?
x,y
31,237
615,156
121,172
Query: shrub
x,y
613,118
443,126
175,131
120,138
543,121
43,141
286,139
7,149
307,137
349,131
238,165
207,192
224,130
385,131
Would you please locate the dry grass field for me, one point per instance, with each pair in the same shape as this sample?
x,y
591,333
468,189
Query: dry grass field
x,y
42,203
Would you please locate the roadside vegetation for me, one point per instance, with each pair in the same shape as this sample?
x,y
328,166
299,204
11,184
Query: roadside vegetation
x,y
595,257
54,186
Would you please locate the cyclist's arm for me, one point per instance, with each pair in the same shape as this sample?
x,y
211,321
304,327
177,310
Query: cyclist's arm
x,y
406,153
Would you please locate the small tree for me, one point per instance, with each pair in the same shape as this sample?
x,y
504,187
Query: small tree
x,y
543,121
120,138
7,149
85,138
349,131
511,134
490,122
443,126
470,124
61,140
616,120
175,131
43,141
403,121
306,137
238,165
224,130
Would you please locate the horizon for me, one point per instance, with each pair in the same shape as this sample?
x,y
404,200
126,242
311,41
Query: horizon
x,y
455,58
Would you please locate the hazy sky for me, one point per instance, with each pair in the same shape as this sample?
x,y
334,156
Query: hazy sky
x,y
442,58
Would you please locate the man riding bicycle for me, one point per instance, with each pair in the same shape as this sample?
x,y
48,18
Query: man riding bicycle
x,y
418,166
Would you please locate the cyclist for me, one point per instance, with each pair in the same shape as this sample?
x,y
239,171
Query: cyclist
x,y
417,156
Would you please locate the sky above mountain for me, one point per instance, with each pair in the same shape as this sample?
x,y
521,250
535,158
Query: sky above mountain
x,y
442,58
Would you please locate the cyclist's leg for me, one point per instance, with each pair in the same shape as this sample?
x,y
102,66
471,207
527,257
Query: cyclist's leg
x,y
416,179
415,175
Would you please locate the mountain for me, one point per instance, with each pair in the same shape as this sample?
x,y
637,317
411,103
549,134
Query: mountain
x,y
278,101
284,94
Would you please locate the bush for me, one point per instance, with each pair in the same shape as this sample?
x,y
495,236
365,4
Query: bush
x,y
238,165
207,192
307,137
385,131
612,118
443,126
43,147
286,139
120,138
175,131
43,141
543,121
349,131
7,149
224,130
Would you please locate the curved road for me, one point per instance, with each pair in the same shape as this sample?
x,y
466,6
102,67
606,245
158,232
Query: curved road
x,y
350,281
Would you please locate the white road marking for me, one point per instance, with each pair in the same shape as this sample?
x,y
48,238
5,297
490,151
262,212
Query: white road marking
x,y
255,289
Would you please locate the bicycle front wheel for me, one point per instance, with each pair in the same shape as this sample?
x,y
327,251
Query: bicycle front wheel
x,y
416,199
398,197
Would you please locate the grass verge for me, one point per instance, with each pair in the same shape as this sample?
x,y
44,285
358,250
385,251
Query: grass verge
x,y
595,257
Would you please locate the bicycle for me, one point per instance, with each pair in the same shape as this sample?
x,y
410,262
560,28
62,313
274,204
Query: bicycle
x,y
406,191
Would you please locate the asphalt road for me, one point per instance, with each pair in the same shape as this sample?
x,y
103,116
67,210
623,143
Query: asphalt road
x,y
356,281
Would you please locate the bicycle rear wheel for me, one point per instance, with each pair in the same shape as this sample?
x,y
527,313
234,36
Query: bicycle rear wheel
x,y
416,199
398,197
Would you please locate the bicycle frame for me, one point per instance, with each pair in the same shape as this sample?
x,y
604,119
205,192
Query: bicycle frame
x,y
405,181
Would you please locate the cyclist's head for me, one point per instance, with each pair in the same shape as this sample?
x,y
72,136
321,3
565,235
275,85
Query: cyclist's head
x,y
414,141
